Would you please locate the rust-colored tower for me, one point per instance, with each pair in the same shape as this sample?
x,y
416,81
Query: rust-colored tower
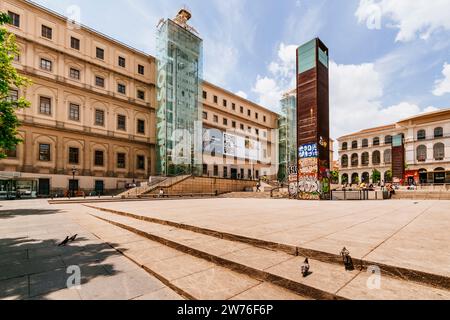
x,y
313,120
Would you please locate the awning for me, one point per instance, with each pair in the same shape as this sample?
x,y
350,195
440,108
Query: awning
x,y
5,175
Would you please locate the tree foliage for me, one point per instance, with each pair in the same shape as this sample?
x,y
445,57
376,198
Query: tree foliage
x,y
376,176
9,79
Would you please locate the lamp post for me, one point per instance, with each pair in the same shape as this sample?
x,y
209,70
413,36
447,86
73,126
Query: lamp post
x,y
72,187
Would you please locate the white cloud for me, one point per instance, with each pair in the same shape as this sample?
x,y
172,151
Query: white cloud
x,y
356,92
280,78
269,92
443,86
413,18
242,94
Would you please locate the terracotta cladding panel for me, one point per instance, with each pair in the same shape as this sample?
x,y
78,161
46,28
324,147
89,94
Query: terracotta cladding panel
x,y
398,162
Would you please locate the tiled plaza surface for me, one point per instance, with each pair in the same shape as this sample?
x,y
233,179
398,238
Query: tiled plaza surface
x,y
32,266
408,234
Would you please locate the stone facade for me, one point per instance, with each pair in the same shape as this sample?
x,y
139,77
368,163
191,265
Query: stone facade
x,y
93,97
427,150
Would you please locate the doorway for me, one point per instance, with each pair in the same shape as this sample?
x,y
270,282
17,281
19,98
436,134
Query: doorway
x,y
44,187
99,187
73,187
234,174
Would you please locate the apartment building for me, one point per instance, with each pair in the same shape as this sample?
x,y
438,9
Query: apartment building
x,y
240,137
92,106
427,150
92,122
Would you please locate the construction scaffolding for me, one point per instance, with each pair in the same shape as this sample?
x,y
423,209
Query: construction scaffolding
x,y
179,111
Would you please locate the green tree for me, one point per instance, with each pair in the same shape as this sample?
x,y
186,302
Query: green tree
x,y
388,176
376,176
335,176
9,78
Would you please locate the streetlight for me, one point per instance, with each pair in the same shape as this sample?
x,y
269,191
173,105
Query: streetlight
x,y
74,170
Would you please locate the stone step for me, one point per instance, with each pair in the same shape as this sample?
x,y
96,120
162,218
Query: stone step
x,y
327,280
427,279
188,276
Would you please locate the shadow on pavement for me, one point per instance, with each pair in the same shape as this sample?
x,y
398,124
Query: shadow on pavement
x,y
33,269
12,213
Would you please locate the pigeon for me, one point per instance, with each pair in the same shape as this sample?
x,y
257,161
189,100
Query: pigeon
x,y
348,261
305,268
73,238
66,240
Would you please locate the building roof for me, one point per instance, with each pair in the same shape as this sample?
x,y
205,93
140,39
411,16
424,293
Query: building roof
x,y
370,130
88,29
424,116
108,38
240,98
438,115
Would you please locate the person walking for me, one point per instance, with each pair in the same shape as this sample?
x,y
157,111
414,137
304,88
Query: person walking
x,y
161,193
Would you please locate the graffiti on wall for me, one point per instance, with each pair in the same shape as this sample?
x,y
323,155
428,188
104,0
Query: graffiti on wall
x,y
309,187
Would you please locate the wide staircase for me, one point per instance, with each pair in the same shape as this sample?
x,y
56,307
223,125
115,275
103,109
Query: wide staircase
x,y
201,263
156,184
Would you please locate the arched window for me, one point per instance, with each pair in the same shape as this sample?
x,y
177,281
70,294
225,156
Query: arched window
x,y
421,135
365,177
439,151
376,141
388,140
388,156
344,179
423,176
345,146
344,161
355,145
376,158
421,153
355,160
355,178
439,176
365,159
365,143
438,132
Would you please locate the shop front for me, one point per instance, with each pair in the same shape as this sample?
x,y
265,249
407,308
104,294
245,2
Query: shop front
x,y
13,186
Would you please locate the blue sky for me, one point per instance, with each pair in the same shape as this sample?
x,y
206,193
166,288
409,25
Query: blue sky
x,y
388,57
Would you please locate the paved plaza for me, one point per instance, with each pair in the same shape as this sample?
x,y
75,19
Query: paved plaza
x,y
410,234
124,258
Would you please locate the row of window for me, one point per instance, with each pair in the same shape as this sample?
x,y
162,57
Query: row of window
x,y
74,157
45,108
233,106
422,155
233,124
75,74
438,152
438,133
365,143
365,159
75,43
233,173
421,135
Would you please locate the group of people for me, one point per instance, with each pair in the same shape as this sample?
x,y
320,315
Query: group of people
x,y
388,187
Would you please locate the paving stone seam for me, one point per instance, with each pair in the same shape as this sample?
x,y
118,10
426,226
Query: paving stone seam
x,y
260,275
165,281
420,277
397,231
349,227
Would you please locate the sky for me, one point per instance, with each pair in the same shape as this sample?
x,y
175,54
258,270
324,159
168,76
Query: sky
x,y
389,59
